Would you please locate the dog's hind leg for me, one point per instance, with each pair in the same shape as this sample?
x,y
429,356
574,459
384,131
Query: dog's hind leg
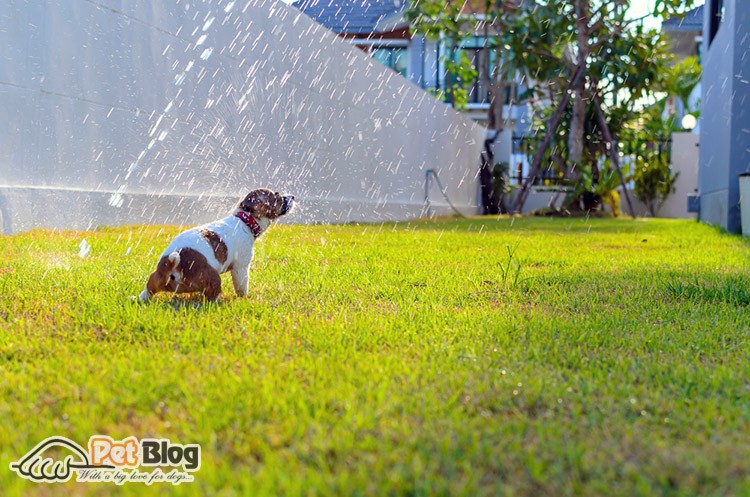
x,y
213,286
164,278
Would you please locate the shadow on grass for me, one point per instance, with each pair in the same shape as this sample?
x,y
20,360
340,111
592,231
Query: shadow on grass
x,y
565,226
184,303
533,224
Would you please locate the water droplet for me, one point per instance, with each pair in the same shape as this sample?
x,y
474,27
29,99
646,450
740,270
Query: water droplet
x,y
207,53
84,248
115,200
155,126
208,24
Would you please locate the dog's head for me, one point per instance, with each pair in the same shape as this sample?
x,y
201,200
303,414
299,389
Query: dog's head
x,y
266,204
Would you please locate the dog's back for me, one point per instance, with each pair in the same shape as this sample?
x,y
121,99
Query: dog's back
x,y
221,242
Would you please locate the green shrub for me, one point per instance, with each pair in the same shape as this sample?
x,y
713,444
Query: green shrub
x,y
654,182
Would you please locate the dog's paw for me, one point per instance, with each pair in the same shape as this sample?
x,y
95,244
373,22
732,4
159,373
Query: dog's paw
x,y
140,299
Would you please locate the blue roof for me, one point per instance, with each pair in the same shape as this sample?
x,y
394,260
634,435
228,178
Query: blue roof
x,y
350,16
691,21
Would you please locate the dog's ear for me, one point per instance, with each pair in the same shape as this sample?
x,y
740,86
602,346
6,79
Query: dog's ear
x,y
249,201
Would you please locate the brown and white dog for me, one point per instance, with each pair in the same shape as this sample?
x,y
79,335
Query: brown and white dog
x,y
195,259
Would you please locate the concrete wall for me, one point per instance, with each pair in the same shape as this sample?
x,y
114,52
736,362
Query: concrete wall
x,y
725,115
684,162
685,151
130,111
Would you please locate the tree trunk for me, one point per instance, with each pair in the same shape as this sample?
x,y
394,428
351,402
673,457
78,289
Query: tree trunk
x,y
495,118
491,200
575,137
551,128
613,151
578,118
449,75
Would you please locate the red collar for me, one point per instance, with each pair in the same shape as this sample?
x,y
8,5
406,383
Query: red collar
x,y
251,223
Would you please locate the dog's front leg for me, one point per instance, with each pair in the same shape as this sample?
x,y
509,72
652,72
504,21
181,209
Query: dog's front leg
x,y
240,279
144,297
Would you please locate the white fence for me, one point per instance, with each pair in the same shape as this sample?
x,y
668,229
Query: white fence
x,y
134,111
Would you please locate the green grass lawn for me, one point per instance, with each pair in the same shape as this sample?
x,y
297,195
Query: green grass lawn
x,y
474,357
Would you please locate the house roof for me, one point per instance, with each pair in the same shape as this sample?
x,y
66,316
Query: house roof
x,y
350,16
397,20
479,7
691,21
358,17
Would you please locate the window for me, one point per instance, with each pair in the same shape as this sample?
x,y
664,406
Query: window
x,y
478,93
717,16
394,57
391,53
472,49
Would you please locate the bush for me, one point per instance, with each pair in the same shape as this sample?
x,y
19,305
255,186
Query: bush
x,y
654,182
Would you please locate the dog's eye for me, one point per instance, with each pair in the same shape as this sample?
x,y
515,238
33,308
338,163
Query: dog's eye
x,y
171,277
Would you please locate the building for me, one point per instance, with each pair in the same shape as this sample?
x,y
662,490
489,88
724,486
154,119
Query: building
x,y
725,126
380,28
685,37
363,24
685,34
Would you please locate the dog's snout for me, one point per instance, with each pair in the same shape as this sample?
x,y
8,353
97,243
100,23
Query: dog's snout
x,y
287,204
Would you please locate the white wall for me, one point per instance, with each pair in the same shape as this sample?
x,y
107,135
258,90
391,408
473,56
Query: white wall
x,y
684,162
112,114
